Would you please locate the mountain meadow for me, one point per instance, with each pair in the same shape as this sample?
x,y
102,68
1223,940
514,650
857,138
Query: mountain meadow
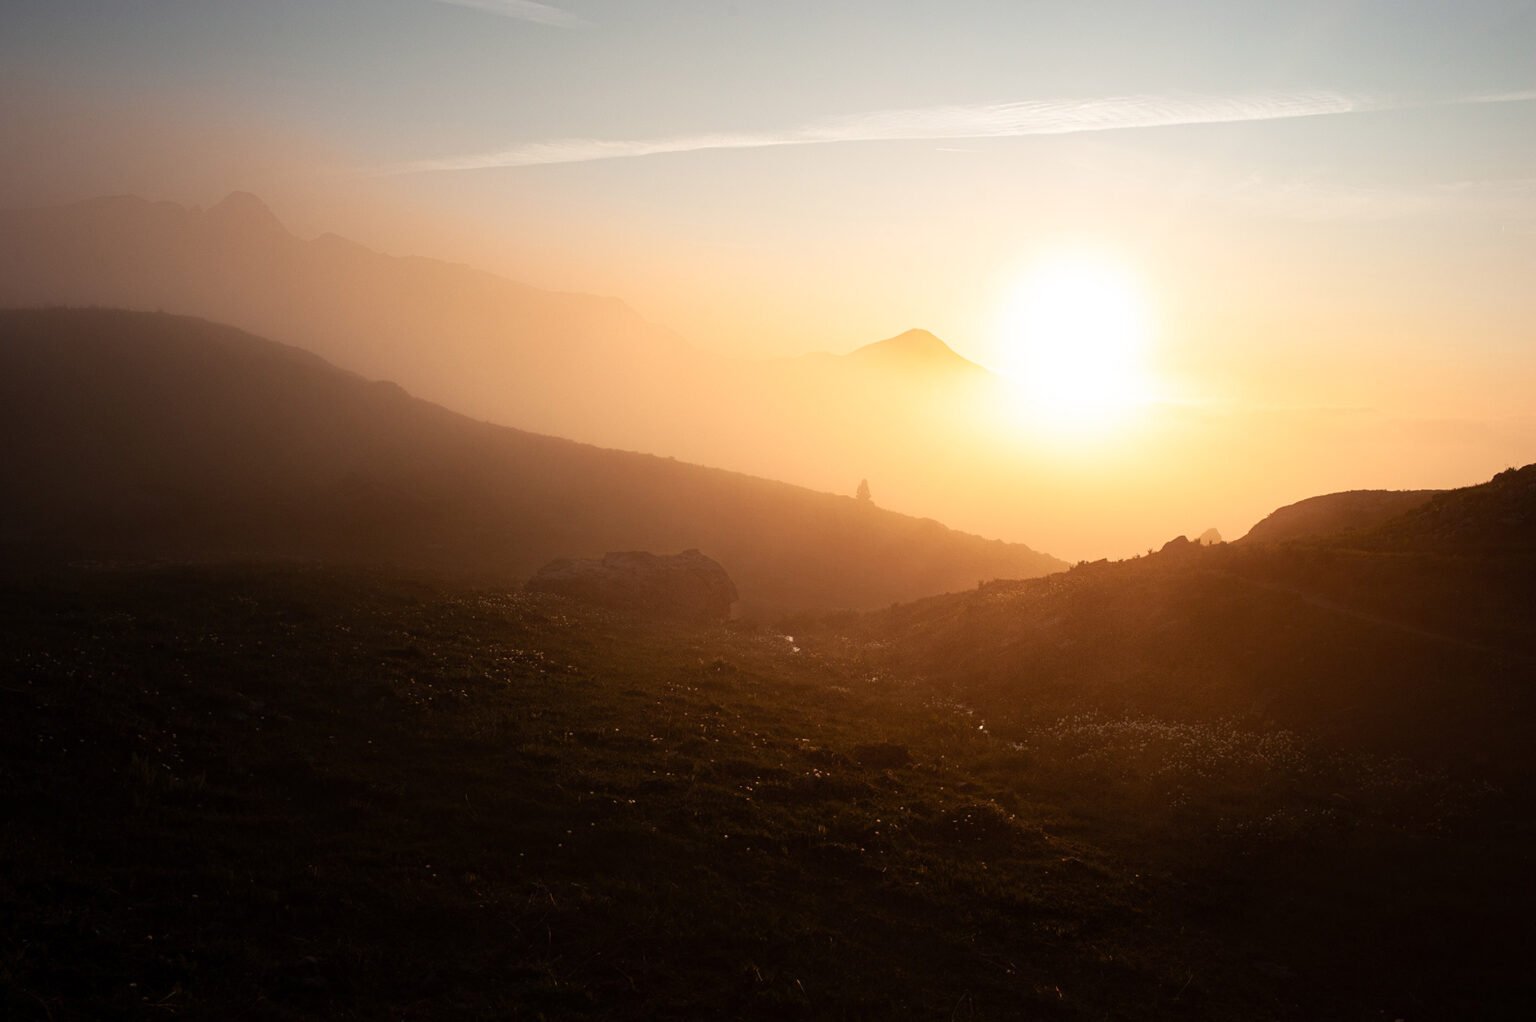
x,y
619,511
323,755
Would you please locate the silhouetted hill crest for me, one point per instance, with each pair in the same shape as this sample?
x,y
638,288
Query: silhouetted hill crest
x,y
1333,514
1413,638
140,434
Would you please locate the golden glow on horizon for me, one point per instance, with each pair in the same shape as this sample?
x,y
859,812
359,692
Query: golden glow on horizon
x,y
1075,338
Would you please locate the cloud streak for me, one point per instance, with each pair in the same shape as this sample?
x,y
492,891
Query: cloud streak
x,y
1508,201
995,120
525,10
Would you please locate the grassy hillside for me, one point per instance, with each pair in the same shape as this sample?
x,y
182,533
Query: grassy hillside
x,y
149,435
288,793
1413,638
1403,655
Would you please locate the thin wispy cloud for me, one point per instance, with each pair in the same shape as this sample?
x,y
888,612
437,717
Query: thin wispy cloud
x,y
1522,96
525,10
1505,201
995,120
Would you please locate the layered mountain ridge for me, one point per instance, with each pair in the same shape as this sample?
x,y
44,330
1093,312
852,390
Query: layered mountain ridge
x,y
147,434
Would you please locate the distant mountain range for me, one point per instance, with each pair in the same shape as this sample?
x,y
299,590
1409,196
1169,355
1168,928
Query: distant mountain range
x,y
574,365
487,346
898,412
141,434
931,431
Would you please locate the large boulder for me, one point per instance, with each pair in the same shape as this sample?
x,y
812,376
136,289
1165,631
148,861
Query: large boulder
x,y
688,585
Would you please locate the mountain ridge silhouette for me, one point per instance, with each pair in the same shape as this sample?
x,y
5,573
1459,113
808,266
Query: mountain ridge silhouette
x,y
157,434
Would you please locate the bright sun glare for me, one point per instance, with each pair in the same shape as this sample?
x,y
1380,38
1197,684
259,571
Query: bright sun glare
x,y
1074,344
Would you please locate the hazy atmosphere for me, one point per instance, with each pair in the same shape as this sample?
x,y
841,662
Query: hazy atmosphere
x,y
714,509
1298,236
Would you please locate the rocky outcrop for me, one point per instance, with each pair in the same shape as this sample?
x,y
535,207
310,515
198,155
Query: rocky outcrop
x,y
687,586
1178,546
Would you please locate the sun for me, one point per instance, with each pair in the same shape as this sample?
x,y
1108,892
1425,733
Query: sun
x,y
1074,344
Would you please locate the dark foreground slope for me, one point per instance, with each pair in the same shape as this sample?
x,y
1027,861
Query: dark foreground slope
x,y
286,793
140,434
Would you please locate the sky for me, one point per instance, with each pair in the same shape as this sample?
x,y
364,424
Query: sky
x,y
1321,205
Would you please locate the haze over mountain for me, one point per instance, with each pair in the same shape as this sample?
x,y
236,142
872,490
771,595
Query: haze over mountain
x,y
580,366
934,433
915,350
575,365
142,434
534,510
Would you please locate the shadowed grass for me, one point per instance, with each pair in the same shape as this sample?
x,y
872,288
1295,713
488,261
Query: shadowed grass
x,y
288,793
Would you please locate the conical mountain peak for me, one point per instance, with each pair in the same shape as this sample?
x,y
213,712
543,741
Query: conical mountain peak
x,y
916,348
